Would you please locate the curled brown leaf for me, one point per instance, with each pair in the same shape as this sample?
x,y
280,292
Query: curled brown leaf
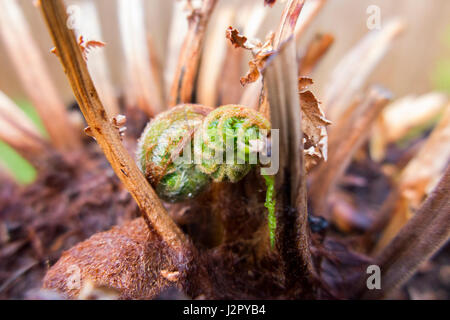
x,y
261,52
304,83
253,73
313,119
314,124
312,158
238,40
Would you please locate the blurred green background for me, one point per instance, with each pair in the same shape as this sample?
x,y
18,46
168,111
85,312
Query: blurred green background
x,y
21,169
441,72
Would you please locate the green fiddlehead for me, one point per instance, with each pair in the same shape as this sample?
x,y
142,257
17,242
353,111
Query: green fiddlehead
x,y
230,128
184,149
161,143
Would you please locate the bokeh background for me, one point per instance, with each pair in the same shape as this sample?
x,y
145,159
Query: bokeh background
x,y
418,62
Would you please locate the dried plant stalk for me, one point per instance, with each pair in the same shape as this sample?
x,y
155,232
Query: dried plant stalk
x,y
430,162
218,82
188,61
156,66
415,180
423,235
230,88
251,17
29,64
18,131
90,29
105,133
293,231
347,137
211,69
402,115
316,49
141,89
351,74
289,18
177,33
252,95
310,12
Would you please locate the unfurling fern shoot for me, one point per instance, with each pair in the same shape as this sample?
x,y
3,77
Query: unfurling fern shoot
x,y
184,149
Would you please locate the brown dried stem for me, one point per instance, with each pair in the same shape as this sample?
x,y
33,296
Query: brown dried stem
x,y
423,235
311,10
186,71
156,67
211,69
221,64
315,51
288,21
349,134
177,33
18,131
293,232
141,88
420,173
29,64
402,115
107,135
252,95
351,74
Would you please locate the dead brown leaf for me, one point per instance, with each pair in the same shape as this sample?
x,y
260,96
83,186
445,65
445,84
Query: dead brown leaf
x,y
261,52
238,40
304,83
312,158
252,74
314,125
313,119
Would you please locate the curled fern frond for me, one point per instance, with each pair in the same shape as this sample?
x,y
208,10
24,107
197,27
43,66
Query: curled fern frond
x,y
186,148
210,136
160,145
